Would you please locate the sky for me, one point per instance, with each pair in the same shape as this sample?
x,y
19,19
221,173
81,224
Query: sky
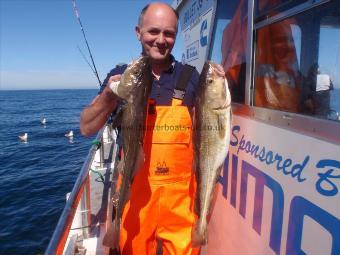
x,y
39,41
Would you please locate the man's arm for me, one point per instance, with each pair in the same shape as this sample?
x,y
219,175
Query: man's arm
x,y
95,115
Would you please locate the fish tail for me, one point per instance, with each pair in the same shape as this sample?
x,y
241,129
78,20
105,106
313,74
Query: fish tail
x,y
199,233
111,238
116,233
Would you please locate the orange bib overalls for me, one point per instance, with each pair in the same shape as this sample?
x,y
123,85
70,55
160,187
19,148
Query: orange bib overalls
x,y
161,204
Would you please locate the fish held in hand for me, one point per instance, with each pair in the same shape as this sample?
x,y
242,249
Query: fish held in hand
x,y
211,139
132,80
134,87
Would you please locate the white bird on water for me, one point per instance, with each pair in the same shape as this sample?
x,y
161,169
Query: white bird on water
x,y
69,134
23,137
43,121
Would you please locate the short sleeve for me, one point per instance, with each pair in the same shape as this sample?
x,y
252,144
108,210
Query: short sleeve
x,y
119,69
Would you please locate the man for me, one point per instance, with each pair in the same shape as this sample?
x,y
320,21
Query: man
x,y
322,94
161,204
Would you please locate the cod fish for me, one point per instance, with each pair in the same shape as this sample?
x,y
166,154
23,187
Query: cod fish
x,y
134,89
212,125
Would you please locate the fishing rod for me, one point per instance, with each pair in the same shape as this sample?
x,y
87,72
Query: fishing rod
x,y
94,69
86,60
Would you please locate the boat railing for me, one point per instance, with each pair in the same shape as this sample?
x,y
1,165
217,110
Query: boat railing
x,y
80,196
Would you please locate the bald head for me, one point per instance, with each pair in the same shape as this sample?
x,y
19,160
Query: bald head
x,y
154,7
157,30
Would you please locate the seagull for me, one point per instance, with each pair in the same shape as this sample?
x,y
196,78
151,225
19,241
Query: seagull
x,y
43,121
23,137
69,134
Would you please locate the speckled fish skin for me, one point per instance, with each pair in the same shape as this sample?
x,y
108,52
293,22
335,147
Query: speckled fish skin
x,y
134,88
134,80
211,140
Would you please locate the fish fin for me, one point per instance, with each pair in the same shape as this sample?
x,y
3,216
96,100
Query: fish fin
x,y
213,195
111,238
219,170
199,234
197,205
117,118
197,194
140,159
120,167
128,195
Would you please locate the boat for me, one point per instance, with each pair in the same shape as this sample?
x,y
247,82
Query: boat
x,y
279,190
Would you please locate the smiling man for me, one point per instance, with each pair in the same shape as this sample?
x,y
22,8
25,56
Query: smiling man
x,y
161,204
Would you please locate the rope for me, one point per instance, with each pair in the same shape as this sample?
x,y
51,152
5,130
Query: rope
x,y
100,176
97,143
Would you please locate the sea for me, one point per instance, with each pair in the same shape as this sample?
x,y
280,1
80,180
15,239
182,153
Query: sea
x,y
36,176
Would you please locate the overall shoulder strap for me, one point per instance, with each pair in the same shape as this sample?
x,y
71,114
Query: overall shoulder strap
x,y
182,82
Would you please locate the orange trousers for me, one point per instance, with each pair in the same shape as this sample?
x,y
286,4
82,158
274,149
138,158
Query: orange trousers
x,y
161,204
159,211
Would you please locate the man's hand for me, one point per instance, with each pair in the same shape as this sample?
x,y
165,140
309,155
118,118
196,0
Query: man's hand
x,y
114,82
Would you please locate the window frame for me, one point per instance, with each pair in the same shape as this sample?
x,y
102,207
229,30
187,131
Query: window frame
x,y
324,129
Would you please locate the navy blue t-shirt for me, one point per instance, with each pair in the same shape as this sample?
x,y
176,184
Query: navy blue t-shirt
x,y
163,89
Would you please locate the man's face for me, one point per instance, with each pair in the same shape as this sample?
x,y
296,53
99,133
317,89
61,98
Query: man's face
x,y
157,32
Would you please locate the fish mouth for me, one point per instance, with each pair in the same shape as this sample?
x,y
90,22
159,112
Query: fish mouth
x,y
216,69
141,61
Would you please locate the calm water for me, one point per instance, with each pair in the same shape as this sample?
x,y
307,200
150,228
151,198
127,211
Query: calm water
x,y
35,176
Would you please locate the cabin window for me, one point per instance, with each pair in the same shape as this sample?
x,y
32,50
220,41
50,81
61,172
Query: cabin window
x,y
267,8
229,44
297,63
